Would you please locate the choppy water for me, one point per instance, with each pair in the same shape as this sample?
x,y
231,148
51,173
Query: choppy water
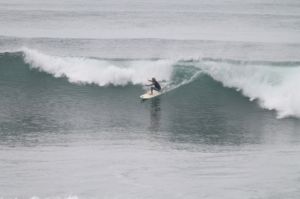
x,y
72,124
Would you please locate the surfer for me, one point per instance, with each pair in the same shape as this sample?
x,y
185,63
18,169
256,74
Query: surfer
x,y
154,86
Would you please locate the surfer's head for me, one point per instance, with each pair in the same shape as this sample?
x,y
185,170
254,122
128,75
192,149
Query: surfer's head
x,y
153,79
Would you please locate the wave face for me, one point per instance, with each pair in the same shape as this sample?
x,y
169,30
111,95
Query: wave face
x,y
275,87
272,84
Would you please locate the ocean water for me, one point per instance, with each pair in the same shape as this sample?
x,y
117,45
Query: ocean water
x,y
72,124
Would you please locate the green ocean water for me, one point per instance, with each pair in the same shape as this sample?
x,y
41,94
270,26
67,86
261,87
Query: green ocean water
x,y
66,140
34,101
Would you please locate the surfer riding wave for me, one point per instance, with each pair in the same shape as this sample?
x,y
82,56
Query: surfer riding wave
x,y
155,85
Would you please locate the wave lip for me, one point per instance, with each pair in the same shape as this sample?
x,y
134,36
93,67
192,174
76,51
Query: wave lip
x,y
100,72
275,88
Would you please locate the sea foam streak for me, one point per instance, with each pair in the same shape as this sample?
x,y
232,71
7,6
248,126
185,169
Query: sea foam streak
x,y
100,72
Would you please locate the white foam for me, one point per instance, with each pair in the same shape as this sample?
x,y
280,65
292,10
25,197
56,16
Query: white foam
x,y
100,72
275,88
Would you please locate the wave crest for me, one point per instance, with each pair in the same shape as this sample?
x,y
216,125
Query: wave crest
x,y
100,72
275,88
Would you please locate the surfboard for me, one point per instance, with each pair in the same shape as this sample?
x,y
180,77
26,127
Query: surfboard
x,y
149,96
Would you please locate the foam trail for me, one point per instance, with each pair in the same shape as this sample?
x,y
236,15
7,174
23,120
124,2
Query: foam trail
x,y
100,72
275,88
169,87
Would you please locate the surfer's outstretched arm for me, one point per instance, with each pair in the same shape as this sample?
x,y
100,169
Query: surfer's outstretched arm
x,y
150,84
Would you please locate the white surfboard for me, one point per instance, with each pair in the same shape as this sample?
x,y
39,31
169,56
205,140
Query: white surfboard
x,y
149,96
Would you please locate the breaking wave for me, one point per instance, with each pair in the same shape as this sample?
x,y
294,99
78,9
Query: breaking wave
x,y
100,72
274,85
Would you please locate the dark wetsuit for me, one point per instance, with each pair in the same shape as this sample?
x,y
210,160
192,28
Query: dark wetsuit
x,y
156,86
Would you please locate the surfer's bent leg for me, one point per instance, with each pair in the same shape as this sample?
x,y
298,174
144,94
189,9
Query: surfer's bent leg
x,y
154,88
